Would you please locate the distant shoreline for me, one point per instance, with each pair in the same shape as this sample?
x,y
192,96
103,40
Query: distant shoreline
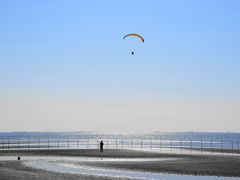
x,y
184,164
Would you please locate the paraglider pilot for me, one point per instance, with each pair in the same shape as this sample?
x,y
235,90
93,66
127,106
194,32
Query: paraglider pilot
x,y
101,146
136,35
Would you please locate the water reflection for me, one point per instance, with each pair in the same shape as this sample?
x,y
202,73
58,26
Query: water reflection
x,y
70,167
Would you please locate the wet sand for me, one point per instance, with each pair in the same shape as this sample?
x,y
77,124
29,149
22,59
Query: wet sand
x,y
16,171
182,164
218,150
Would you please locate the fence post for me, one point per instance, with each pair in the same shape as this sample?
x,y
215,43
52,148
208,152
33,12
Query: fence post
x,y
131,142
211,145
222,146
171,144
191,145
151,143
201,147
160,144
88,143
181,145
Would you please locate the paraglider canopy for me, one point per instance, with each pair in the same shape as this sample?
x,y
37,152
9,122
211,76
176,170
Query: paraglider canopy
x,y
136,35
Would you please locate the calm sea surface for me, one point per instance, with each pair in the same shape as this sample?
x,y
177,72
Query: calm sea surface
x,y
115,135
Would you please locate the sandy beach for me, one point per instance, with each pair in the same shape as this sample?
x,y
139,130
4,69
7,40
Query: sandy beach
x,y
179,164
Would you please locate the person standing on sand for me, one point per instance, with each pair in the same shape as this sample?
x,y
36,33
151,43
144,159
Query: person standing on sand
x,y
101,146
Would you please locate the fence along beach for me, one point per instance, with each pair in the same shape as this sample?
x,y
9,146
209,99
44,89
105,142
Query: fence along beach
x,y
165,142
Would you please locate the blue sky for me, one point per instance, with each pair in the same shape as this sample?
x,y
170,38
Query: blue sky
x,y
74,49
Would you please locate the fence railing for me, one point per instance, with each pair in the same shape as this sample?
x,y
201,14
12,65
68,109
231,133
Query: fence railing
x,y
157,144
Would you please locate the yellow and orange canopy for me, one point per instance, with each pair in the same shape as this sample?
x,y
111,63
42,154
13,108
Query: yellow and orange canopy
x,y
136,35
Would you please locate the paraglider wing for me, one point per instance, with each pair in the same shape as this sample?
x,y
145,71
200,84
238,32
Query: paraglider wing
x,y
136,35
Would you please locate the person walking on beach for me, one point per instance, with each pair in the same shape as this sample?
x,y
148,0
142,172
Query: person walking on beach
x,y
101,146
